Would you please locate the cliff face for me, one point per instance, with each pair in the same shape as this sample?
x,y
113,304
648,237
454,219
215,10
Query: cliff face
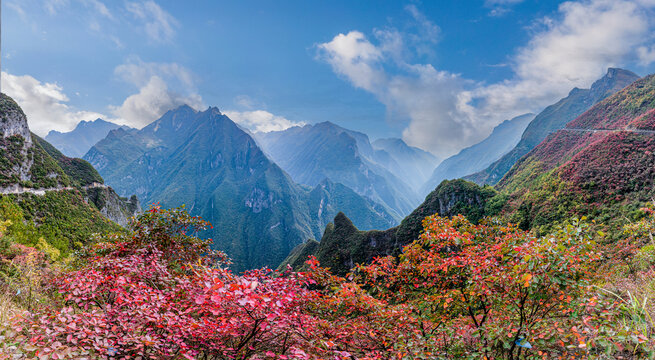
x,y
16,138
112,206
21,163
13,121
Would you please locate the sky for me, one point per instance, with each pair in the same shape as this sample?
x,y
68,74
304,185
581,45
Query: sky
x,y
439,74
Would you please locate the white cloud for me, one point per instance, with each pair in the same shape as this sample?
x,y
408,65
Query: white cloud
x,y
245,102
44,104
159,25
261,120
421,93
354,57
139,73
571,51
151,102
646,55
155,96
18,9
447,112
428,32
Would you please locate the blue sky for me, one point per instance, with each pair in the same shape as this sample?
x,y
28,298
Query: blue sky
x,y
439,74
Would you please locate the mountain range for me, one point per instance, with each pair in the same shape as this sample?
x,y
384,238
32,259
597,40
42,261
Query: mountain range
x,y
78,141
555,117
502,139
207,162
388,172
600,165
270,193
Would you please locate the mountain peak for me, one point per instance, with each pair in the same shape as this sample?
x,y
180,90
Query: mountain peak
x,y
185,107
613,72
615,79
213,110
327,125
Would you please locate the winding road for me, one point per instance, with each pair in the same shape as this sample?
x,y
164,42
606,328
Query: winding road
x,y
638,131
17,189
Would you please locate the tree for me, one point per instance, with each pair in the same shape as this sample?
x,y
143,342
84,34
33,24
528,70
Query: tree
x,y
489,288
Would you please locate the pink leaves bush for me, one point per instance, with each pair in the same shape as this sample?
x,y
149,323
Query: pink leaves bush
x,y
151,295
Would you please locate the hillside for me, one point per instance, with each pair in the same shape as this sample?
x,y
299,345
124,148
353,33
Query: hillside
x,y
314,152
205,161
46,194
78,141
555,117
600,165
502,139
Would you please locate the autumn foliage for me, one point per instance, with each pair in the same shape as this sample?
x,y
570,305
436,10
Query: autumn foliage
x,y
459,291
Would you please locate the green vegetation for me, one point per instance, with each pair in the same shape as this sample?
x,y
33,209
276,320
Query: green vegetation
x,y
63,218
343,245
80,171
8,105
458,291
226,178
11,154
45,172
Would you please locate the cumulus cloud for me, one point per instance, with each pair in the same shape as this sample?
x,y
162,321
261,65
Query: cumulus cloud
x,y
159,25
571,51
426,96
154,97
354,57
151,102
160,87
646,55
45,104
139,73
261,120
446,112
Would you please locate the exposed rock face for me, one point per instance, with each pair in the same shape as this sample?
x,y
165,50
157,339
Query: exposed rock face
x,y
313,153
206,161
13,120
16,139
112,206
